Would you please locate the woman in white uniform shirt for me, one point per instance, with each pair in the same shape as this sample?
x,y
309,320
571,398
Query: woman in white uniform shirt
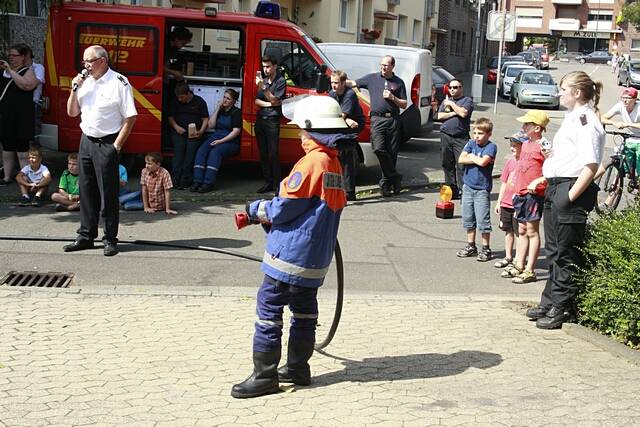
x,y
569,169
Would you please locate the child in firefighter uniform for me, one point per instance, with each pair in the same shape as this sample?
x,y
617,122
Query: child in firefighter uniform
x,y
303,226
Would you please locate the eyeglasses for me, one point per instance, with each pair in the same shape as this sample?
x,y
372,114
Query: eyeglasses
x,y
386,65
455,87
90,61
626,98
15,54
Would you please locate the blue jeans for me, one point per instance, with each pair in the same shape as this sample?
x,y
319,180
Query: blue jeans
x,y
476,208
273,295
208,160
184,151
131,201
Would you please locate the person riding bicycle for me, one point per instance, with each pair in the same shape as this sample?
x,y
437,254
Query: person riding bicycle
x,y
629,111
302,223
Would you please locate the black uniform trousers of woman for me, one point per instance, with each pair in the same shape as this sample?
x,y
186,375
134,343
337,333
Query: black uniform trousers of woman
x,y
564,230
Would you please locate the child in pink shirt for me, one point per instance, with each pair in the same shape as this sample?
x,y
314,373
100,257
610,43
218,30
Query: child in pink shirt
x,y
504,206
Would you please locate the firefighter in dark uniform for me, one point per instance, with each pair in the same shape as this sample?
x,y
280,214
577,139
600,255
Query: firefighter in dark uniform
x,y
104,101
388,95
571,194
354,117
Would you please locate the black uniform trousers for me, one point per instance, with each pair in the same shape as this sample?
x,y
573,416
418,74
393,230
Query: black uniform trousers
x,y
385,141
348,155
267,130
564,232
450,148
99,185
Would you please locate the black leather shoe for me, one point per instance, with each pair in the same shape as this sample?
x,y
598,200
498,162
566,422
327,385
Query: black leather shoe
x,y
351,196
265,189
397,184
78,245
386,191
536,313
205,188
110,248
554,318
194,187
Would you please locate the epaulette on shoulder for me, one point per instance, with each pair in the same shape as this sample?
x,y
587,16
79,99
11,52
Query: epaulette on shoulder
x,y
583,119
123,80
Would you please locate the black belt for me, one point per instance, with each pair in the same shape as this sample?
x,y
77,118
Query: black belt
x,y
103,139
269,118
556,181
374,114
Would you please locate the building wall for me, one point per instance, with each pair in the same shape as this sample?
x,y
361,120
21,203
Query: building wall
x,y
30,30
535,18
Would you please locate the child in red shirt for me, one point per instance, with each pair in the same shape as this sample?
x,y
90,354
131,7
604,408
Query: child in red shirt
x,y
528,200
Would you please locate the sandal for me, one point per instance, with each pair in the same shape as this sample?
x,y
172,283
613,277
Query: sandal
x,y
527,276
510,272
467,251
503,263
484,255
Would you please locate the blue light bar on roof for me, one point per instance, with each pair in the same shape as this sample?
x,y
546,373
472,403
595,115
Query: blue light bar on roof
x,y
268,9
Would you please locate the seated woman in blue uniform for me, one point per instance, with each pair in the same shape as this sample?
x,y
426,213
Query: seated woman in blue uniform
x,y
224,142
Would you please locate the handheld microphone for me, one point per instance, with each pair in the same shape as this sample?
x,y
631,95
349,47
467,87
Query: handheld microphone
x,y
84,74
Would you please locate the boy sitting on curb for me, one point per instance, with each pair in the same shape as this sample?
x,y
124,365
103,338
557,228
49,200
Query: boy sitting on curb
x,y
155,193
33,179
67,197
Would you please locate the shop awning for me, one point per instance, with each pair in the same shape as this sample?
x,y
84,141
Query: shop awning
x,y
438,31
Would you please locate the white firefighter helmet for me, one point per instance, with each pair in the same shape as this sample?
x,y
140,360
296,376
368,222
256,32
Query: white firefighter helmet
x,y
318,113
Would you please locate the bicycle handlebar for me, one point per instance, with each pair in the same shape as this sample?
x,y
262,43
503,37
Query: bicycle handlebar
x,y
625,135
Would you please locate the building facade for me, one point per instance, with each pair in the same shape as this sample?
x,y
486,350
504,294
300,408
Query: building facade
x,y
460,28
576,25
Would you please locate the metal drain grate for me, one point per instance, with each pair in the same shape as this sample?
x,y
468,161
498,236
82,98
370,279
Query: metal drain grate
x,y
37,280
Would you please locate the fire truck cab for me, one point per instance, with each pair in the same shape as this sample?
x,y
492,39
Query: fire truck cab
x,y
225,52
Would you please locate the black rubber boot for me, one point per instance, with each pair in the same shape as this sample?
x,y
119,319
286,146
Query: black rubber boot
x,y
297,369
264,379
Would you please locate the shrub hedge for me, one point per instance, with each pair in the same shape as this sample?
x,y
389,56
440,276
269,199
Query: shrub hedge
x,y
609,297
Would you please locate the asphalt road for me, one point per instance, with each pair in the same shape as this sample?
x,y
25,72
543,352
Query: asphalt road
x,y
390,245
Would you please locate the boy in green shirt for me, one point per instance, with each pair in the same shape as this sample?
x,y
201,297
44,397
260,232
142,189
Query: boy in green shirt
x,y
67,197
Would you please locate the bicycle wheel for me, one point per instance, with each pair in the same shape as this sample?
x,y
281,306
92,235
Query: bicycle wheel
x,y
611,184
330,297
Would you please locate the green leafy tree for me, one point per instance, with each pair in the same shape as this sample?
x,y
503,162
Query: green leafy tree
x,y
630,14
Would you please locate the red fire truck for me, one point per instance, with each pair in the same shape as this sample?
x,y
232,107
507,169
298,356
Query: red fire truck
x,y
224,53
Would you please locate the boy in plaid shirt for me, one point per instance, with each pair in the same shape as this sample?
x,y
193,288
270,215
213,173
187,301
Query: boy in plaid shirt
x,y
155,183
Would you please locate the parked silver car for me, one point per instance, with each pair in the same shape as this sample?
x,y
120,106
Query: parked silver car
x,y
535,87
629,73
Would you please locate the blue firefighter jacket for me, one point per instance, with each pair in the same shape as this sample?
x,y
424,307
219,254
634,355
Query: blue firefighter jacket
x,y
304,218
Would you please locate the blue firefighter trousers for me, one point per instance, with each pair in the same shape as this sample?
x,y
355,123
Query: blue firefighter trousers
x,y
273,295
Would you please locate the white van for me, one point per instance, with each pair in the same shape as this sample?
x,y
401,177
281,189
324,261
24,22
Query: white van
x,y
413,66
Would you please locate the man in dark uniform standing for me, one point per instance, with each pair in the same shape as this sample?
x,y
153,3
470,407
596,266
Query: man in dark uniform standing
x,y
353,116
455,115
105,102
271,91
388,95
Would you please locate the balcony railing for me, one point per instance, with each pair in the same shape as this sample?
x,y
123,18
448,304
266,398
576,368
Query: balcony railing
x,y
564,24
575,2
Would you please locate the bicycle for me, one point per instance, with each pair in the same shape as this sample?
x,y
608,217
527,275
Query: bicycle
x,y
611,181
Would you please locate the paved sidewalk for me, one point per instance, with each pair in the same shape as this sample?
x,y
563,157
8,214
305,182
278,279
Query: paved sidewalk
x,y
80,359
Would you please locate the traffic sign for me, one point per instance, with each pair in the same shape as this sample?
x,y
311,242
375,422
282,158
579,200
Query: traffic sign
x,y
500,23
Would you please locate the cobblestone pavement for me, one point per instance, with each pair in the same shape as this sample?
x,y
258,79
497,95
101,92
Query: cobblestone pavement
x,y
79,359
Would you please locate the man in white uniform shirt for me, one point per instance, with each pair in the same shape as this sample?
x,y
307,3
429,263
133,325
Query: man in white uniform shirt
x,y
105,102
